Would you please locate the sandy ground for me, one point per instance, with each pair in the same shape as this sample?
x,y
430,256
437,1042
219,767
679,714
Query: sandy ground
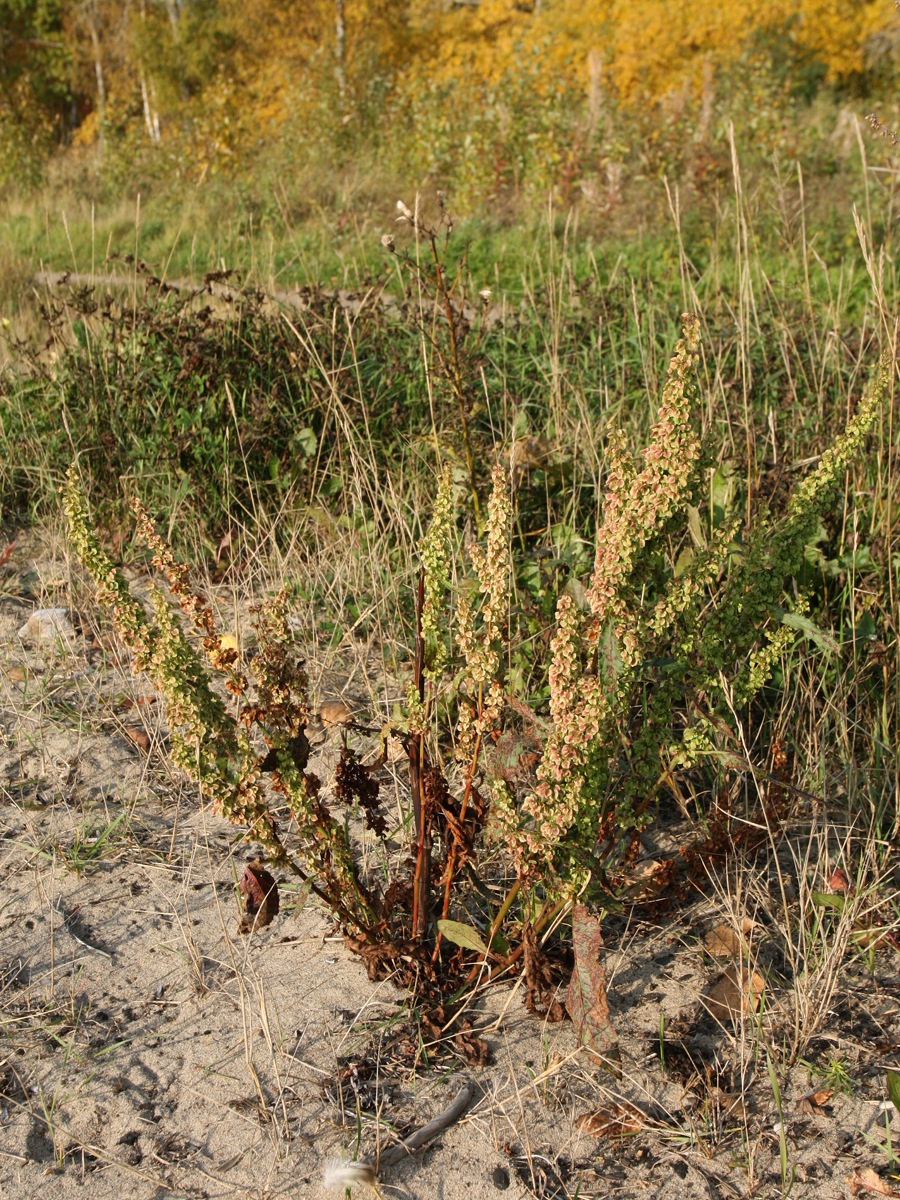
x,y
147,1049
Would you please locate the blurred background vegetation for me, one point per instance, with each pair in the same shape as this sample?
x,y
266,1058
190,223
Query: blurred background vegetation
x,y
270,118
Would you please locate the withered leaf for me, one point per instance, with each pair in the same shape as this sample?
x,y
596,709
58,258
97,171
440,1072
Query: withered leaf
x,y
586,1000
736,993
618,1118
334,712
839,881
727,942
260,892
864,1179
729,1104
139,737
813,1103
298,748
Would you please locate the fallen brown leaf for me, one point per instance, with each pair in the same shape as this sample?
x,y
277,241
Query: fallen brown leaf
x,y
724,941
618,1118
18,674
586,1000
737,993
260,892
645,882
730,1104
839,881
334,712
865,1179
140,737
813,1103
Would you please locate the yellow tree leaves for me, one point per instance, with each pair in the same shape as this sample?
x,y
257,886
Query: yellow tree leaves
x,y
650,48
502,88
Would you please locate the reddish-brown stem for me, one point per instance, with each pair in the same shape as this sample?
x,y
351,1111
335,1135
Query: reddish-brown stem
x,y
456,380
421,876
544,918
453,856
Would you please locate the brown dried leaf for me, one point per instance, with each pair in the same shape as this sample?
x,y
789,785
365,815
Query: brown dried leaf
x,y
726,942
586,1000
839,881
334,712
260,892
299,749
140,737
865,1179
813,1103
736,993
729,1104
646,881
618,1118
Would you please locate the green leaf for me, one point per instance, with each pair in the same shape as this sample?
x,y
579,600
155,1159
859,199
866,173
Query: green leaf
x,y
824,641
683,561
459,934
500,944
610,664
827,900
695,526
893,1087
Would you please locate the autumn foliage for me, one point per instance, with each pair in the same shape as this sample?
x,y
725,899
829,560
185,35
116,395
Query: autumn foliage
x,y
493,92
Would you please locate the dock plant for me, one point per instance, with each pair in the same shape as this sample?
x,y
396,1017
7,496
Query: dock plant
x,y
650,661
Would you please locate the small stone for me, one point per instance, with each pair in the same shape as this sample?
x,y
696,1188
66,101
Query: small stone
x,y
48,625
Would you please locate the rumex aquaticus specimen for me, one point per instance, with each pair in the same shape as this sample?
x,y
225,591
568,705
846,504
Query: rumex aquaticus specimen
x,y
641,676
